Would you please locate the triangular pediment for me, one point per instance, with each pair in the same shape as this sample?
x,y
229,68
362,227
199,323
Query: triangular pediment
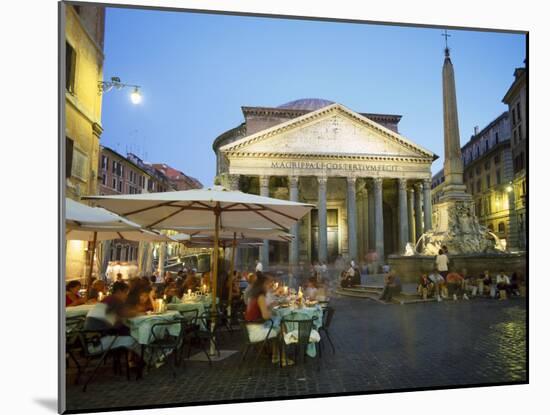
x,y
332,130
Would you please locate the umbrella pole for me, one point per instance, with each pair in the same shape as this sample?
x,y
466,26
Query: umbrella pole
x,y
89,279
214,307
231,271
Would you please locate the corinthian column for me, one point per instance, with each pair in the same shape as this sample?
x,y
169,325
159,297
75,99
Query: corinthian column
x,y
378,218
427,205
352,219
410,208
264,249
371,238
418,210
403,214
322,215
294,247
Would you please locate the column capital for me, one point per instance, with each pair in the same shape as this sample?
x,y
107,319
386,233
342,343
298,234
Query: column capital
x,y
264,181
322,180
427,183
377,182
418,186
351,180
293,181
402,183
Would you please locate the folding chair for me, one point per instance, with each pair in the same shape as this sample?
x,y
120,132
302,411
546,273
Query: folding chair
x,y
249,342
328,314
298,332
164,341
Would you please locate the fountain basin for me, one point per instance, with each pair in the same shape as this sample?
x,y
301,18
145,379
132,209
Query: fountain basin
x,y
410,268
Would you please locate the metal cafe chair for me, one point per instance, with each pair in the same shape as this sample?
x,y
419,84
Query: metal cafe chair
x,y
94,348
163,341
328,314
73,325
249,342
206,319
302,329
191,329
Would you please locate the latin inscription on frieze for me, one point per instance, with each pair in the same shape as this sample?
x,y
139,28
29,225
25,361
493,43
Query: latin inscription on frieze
x,y
328,166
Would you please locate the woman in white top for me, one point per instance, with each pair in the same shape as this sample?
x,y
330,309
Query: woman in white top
x,y
442,263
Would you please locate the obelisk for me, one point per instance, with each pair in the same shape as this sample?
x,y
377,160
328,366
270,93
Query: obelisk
x,y
454,188
455,225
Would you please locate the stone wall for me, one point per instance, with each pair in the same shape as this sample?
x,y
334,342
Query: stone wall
x,y
410,268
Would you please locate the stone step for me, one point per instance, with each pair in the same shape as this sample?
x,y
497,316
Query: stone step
x,y
368,286
359,294
403,298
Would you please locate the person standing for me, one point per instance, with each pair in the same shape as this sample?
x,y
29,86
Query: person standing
x,y
259,266
442,263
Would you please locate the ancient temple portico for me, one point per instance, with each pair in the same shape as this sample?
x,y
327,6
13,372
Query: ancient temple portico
x,y
361,175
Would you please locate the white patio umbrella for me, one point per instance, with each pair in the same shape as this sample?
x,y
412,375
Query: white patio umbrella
x,y
213,208
87,223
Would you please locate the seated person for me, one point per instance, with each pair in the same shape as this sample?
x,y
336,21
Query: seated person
x,y
503,285
311,289
455,284
258,312
140,300
387,293
72,297
346,281
438,281
98,286
115,310
107,316
190,283
514,284
251,279
487,283
205,280
170,291
471,284
424,285
243,282
179,286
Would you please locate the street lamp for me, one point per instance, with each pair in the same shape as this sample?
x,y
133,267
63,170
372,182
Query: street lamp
x,y
509,188
106,86
135,96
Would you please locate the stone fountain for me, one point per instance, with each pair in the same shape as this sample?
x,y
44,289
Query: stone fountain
x,y
470,245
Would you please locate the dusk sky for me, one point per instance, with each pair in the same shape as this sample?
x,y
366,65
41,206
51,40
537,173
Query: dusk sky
x,y
196,71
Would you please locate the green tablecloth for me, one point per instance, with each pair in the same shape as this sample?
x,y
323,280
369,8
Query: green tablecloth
x,y
140,326
78,311
199,306
297,313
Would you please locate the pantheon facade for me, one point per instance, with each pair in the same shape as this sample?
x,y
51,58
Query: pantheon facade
x,y
370,184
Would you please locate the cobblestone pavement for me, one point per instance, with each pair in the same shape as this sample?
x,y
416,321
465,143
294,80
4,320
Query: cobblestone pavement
x,y
378,347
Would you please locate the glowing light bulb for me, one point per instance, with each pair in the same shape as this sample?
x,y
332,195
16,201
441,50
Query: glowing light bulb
x,y
135,96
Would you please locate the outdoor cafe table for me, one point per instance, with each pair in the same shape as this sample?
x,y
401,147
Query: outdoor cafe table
x,y
141,326
295,313
78,310
180,306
